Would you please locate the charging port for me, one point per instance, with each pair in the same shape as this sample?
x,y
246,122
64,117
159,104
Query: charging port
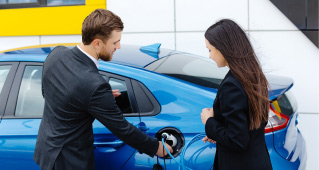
x,y
174,138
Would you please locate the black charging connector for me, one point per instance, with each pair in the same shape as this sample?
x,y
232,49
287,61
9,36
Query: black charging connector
x,y
158,166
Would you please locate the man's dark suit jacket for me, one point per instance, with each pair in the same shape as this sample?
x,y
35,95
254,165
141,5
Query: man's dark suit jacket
x,y
237,147
76,94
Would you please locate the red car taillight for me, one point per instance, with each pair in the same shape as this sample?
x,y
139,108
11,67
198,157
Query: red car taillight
x,y
276,120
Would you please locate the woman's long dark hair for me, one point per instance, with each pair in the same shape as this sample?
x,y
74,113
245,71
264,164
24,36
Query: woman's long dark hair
x,y
234,45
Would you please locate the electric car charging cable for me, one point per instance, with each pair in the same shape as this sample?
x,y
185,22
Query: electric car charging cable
x,y
181,164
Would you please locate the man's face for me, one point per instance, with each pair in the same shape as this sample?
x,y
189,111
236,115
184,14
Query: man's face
x,y
111,45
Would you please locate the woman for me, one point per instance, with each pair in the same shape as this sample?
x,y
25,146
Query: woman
x,y
240,111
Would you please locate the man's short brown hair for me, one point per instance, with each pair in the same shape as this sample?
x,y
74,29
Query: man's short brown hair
x,y
99,24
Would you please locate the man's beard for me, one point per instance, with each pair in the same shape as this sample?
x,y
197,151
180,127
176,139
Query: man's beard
x,y
105,56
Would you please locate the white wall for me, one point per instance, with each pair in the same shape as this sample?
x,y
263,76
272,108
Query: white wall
x,y
22,41
180,25
282,48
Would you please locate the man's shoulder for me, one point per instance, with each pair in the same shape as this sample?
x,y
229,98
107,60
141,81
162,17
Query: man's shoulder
x,y
57,54
60,49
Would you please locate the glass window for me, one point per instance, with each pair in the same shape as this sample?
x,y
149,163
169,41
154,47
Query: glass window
x,y
65,2
198,70
30,100
287,103
17,1
35,3
122,101
4,70
104,77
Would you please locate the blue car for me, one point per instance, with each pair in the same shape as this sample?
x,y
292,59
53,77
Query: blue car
x,y
162,91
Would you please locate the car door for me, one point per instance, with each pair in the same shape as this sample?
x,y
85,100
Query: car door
x,y
147,106
22,116
110,152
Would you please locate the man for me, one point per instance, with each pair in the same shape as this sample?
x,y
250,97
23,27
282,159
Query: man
x,y
76,94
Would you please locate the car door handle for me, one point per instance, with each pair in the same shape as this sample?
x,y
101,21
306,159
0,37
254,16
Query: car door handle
x,y
113,144
142,126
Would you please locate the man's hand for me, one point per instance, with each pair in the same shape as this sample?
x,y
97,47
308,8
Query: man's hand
x,y
161,148
209,140
116,93
206,113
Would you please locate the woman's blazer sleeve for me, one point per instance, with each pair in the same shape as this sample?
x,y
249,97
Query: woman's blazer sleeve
x,y
233,102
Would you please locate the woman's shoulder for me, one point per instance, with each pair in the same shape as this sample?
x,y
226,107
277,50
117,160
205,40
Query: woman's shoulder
x,y
231,84
230,79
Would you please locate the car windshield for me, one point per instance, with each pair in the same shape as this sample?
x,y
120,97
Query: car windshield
x,y
198,70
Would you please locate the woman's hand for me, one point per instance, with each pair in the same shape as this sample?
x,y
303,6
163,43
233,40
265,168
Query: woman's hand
x,y
206,113
209,140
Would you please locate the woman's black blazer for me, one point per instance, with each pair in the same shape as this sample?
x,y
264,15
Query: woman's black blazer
x,y
237,148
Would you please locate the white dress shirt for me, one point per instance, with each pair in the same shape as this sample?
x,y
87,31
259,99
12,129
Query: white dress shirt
x,y
91,57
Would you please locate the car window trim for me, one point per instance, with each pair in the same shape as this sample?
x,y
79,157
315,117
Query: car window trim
x,y
132,95
7,86
129,91
12,100
149,95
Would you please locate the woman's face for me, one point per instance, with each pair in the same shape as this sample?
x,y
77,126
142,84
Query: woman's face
x,y
216,55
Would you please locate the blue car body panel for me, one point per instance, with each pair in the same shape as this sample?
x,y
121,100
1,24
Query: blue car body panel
x,y
290,144
18,138
181,104
110,152
17,142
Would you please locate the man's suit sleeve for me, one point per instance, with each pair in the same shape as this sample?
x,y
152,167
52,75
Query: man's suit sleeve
x,y
103,107
234,134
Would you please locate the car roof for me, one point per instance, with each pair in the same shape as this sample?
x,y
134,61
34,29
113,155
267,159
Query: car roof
x,y
128,54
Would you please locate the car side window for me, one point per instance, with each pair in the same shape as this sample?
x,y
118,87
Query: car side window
x,y
4,71
30,101
135,98
123,100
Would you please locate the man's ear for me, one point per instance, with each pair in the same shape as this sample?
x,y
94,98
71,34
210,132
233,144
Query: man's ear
x,y
96,44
